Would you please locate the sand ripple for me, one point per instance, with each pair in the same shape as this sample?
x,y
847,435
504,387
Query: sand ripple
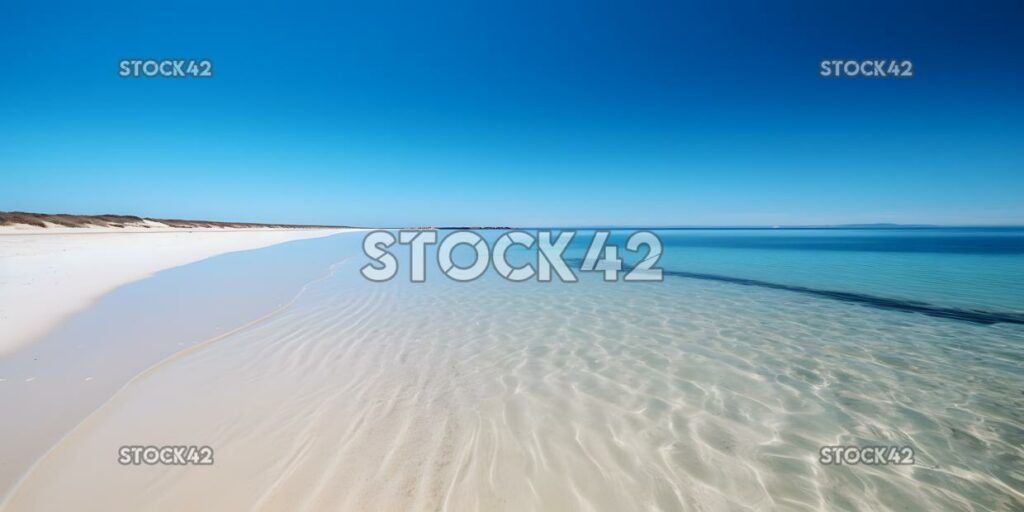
x,y
685,395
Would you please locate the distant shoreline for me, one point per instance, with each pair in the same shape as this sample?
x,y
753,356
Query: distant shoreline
x,y
55,270
25,222
48,220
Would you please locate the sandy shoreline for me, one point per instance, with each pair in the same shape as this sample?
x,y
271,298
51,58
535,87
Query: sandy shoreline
x,y
331,392
48,274
58,378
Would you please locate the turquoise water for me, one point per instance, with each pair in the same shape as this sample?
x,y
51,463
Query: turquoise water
x,y
956,267
712,390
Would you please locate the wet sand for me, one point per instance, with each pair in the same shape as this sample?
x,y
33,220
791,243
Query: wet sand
x,y
48,274
684,395
49,385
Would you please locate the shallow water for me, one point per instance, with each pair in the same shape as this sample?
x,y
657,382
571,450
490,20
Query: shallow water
x,y
688,394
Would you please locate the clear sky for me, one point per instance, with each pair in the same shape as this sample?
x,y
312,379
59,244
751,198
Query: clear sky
x,y
516,113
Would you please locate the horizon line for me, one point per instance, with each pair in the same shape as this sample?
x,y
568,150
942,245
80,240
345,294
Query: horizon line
x,y
5,218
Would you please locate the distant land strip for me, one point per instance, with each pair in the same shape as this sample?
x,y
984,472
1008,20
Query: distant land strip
x,y
121,221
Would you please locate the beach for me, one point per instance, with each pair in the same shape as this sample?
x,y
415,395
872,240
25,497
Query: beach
x,y
49,273
512,256
688,394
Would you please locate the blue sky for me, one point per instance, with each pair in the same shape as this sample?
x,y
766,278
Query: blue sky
x,y
516,113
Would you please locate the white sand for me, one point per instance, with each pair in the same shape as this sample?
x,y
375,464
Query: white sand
x,y
492,395
47,274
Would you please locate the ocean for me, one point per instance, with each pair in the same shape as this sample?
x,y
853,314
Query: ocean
x,y
714,389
